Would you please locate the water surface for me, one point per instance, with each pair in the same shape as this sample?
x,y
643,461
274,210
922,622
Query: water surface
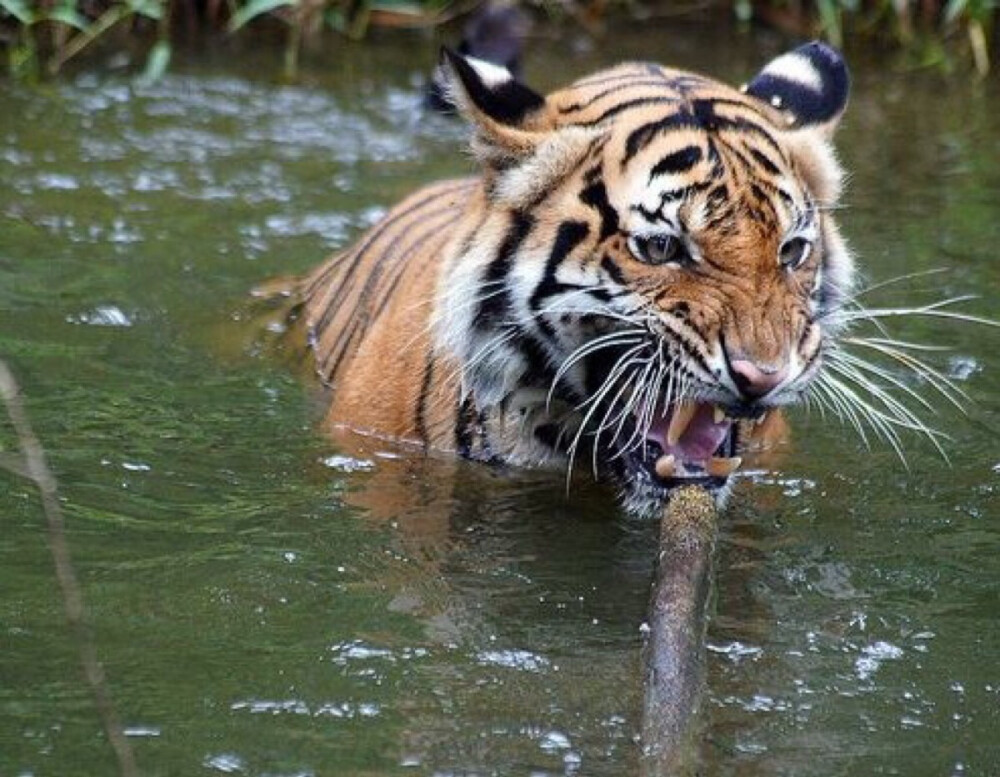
x,y
269,602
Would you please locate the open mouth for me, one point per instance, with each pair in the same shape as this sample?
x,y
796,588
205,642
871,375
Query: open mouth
x,y
696,441
685,443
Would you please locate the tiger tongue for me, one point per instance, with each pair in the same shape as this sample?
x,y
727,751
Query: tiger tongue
x,y
689,432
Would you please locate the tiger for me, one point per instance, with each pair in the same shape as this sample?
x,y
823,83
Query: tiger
x,y
640,273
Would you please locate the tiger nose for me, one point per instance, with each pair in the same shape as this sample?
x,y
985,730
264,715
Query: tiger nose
x,y
756,380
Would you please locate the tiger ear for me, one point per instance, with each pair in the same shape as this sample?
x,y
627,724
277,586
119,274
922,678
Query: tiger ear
x,y
809,85
510,119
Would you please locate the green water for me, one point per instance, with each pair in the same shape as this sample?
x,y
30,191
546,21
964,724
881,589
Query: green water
x,y
266,602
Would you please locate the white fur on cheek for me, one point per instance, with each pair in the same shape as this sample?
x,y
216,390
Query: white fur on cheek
x,y
491,368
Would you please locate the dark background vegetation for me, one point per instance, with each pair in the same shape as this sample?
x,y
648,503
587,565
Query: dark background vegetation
x,y
39,38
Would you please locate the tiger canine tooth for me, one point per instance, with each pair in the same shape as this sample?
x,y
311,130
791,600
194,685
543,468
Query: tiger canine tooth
x,y
760,420
679,422
718,467
665,466
718,414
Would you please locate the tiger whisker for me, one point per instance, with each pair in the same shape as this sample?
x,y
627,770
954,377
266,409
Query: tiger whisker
x,y
431,322
493,345
896,408
616,402
859,409
663,370
591,346
840,407
905,344
885,422
941,383
621,365
647,401
634,400
896,279
608,407
932,310
878,371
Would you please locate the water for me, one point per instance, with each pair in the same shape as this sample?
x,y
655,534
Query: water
x,y
269,602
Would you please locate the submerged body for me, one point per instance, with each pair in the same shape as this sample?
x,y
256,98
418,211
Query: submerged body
x,y
642,269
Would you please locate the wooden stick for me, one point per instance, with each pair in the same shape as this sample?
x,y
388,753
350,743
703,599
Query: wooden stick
x,y
32,466
674,650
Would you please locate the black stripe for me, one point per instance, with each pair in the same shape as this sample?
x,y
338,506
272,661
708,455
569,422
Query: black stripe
x,y
640,137
361,319
396,254
569,235
494,308
465,420
690,347
588,102
706,120
602,295
425,388
763,202
628,105
539,366
615,273
344,341
389,291
717,198
639,70
596,196
764,161
678,162
373,236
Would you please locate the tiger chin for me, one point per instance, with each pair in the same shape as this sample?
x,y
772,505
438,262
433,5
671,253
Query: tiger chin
x,y
641,273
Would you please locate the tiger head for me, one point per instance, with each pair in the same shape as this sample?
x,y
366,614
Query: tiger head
x,y
656,252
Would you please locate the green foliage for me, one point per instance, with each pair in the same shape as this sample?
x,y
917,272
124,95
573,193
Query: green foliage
x,y
156,63
45,36
19,10
38,37
251,10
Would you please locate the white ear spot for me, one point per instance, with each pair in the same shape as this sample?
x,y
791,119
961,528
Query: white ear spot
x,y
491,75
776,100
798,68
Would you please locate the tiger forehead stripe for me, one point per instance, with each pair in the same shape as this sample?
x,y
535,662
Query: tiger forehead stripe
x,y
677,162
607,92
700,116
628,105
623,72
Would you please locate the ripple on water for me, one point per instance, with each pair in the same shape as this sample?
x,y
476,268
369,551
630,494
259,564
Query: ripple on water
x,y
873,656
102,315
337,710
522,660
227,763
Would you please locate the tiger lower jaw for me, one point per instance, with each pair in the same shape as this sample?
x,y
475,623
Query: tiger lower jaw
x,y
688,443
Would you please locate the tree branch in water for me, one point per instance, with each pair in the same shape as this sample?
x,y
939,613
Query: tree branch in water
x,y
674,651
31,464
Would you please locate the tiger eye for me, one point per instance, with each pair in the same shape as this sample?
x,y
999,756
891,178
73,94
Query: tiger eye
x,y
658,249
794,252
